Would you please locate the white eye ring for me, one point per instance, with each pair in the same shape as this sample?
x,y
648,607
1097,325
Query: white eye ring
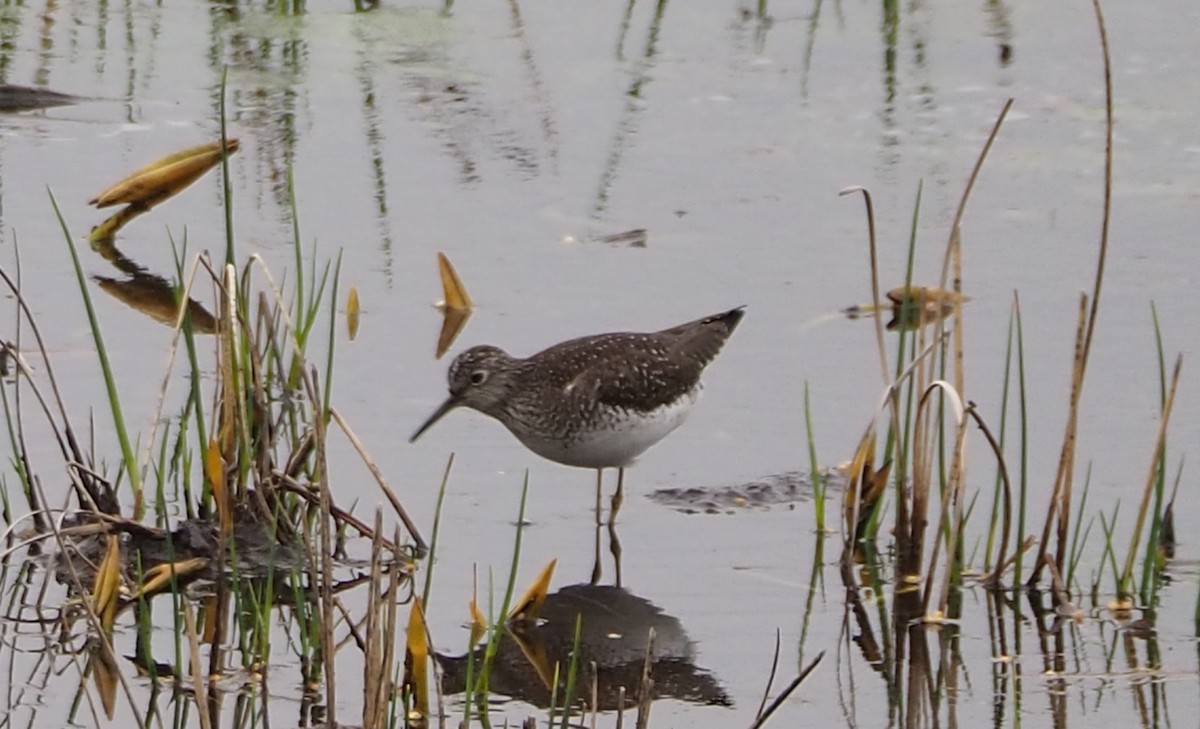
x,y
478,377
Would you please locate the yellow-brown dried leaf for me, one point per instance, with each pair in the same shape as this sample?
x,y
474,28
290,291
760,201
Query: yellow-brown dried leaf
x,y
352,313
529,606
214,470
454,292
416,660
163,178
106,592
478,623
160,577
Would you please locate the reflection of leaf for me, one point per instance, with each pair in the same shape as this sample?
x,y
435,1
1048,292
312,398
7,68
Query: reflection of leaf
x,y
533,647
104,233
453,321
155,296
109,252
106,676
163,178
454,292
524,616
210,614
352,313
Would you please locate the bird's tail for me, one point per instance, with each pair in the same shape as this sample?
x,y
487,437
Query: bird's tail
x,y
704,338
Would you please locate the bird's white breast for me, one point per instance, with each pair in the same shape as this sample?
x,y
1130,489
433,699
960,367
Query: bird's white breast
x,y
618,438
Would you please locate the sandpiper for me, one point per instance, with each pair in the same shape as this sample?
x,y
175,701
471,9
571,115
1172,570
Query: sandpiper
x,y
594,402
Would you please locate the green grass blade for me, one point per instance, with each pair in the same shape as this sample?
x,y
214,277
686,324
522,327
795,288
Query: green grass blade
x,y
110,383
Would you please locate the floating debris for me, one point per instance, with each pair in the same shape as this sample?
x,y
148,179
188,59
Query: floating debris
x,y
478,623
106,591
912,307
353,310
454,293
529,606
636,238
8,354
164,178
26,98
456,306
416,664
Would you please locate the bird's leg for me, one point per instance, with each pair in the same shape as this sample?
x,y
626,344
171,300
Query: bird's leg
x,y
618,497
599,493
614,547
596,571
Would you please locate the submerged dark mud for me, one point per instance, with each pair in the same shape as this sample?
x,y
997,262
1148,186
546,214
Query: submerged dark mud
x,y
778,490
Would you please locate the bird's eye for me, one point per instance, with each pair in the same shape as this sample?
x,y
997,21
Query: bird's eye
x,y
478,377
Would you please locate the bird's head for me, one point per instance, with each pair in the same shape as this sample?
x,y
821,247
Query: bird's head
x,y
479,379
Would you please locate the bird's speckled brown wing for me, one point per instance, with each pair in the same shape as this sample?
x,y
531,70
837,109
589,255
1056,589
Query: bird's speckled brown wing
x,y
638,371
640,374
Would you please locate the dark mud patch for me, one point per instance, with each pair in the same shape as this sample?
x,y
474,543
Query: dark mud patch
x,y
775,491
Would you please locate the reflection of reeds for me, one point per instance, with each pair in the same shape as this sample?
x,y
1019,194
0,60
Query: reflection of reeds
x,y
238,493
931,508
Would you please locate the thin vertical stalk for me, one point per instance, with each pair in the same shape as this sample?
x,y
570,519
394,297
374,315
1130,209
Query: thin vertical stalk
x,y
110,382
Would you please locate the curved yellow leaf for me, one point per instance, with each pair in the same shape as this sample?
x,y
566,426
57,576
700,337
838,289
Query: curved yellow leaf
x,y
454,293
159,577
352,313
214,470
529,606
164,177
478,623
106,591
416,660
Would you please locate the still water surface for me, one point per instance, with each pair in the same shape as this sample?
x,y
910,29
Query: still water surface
x,y
512,137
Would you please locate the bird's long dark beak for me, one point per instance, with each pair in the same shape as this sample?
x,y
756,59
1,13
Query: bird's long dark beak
x,y
450,404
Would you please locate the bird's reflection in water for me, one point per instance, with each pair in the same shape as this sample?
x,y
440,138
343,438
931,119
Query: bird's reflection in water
x,y
613,640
